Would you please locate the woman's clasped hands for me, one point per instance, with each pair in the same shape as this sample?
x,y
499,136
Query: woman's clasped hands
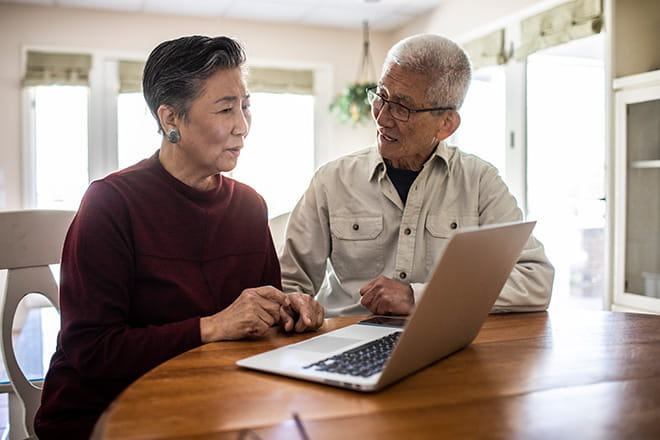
x,y
259,308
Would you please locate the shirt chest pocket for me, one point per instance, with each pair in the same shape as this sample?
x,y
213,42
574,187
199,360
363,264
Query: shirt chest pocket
x,y
439,228
357,246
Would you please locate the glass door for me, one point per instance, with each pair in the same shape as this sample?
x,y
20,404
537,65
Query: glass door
x,y
566,167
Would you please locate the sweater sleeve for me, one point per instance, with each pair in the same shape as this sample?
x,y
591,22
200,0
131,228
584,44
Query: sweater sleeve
x,y
97,274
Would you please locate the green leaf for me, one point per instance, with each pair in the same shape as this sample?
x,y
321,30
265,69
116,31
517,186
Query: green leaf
x,y
352,105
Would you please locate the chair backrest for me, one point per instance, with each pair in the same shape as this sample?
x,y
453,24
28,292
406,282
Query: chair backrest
x,y
278,229
30,240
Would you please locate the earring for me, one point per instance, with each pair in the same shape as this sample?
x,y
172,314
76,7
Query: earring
x,y
173,135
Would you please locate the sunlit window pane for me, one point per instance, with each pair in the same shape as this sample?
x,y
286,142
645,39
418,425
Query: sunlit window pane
x,y
483,117
278,158
61,146
566,166
137,130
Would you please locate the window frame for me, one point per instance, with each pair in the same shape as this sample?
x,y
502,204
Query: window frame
x,y
102,144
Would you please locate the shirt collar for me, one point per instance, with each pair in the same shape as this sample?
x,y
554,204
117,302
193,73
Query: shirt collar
x,y
378,168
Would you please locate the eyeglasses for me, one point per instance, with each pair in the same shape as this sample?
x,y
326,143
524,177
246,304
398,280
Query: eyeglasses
x,y
398,111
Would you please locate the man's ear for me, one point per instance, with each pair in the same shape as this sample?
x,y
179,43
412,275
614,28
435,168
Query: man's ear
x,y
167,117
449,122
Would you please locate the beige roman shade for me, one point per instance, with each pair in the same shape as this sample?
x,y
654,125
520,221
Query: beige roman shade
x,y
487,51
52,68
559,25
130,76
271,80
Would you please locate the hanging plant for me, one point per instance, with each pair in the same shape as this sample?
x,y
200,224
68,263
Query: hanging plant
x,y
352,105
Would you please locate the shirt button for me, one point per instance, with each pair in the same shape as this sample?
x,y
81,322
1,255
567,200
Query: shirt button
x,y
453,225
356,226
407,231
403,275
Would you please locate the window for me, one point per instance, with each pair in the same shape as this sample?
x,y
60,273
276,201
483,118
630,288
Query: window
x,y
566,165
60,145
137,130
483,124
278,158
101,123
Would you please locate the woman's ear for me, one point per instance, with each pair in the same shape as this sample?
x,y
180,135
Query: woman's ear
x,y
450,120
167,117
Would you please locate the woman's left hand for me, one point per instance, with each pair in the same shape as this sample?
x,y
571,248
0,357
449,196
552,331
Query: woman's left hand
x,y
303,314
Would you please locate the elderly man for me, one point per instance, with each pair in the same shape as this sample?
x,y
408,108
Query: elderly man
x,y
369,229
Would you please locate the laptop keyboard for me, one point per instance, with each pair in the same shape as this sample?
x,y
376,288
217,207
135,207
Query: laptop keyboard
x,y
365,360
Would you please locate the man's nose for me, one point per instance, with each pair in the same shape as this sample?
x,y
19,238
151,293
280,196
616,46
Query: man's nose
x,y
383,116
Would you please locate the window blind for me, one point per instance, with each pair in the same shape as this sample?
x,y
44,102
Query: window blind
x,y
487,51
559,25
271,80
130,76
52,68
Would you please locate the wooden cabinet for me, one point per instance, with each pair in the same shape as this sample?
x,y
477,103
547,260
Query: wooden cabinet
x,y
633,171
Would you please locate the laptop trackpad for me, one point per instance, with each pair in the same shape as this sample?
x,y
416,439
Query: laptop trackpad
x,y
324,344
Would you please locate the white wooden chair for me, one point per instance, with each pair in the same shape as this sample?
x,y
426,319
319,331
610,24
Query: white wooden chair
x,y
278,229
30,240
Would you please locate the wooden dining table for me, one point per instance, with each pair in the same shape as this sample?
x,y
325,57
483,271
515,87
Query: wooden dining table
x,y
547,375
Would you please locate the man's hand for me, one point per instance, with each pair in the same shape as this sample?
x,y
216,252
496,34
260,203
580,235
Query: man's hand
x,y
304,313
385,296
250,315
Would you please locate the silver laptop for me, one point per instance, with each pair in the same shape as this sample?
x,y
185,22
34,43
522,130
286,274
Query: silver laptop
x,y
459,295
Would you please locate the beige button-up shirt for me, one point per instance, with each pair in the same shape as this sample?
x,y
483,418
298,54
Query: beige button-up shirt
x,y
350,226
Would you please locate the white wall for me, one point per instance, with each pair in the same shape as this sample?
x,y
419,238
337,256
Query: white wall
x,y
62,28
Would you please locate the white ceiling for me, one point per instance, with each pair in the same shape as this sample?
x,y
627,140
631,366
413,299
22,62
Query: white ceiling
x,y
383,15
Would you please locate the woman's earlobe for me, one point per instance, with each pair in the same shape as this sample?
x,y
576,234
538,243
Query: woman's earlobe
x,y
173,135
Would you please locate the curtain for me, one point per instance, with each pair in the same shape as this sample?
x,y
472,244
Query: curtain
x,y
130,76
272,80
559,25
487,51
50,68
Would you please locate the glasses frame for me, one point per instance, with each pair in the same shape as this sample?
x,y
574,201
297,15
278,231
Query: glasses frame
x,y
372,95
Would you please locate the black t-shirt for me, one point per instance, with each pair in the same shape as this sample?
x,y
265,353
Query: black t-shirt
x,y
402,180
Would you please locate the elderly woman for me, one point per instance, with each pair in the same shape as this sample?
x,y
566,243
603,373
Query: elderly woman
x,y
169,253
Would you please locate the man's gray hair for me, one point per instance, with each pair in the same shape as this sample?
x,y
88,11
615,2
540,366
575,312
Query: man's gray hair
x,y
444,61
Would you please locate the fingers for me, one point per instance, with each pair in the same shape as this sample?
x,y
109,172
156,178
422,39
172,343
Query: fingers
x,y
370,285
272,294
385,296
370,292
287,320
257,309
371,301
259,300
309,312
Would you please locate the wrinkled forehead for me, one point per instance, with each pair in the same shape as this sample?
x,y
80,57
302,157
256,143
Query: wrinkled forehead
x,y
404,85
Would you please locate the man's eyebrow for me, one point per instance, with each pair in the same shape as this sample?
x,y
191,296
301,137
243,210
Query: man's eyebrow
x,y
404,98
398,96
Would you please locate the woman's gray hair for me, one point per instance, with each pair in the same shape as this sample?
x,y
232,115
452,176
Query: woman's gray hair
x,y
175,71
444,61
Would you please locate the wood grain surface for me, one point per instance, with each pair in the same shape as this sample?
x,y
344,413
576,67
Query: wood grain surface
x,y
568,375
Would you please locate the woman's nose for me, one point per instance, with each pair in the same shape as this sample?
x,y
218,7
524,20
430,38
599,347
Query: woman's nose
x,y
242,126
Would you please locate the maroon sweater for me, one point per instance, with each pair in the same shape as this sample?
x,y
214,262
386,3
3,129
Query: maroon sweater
x,y
145,257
